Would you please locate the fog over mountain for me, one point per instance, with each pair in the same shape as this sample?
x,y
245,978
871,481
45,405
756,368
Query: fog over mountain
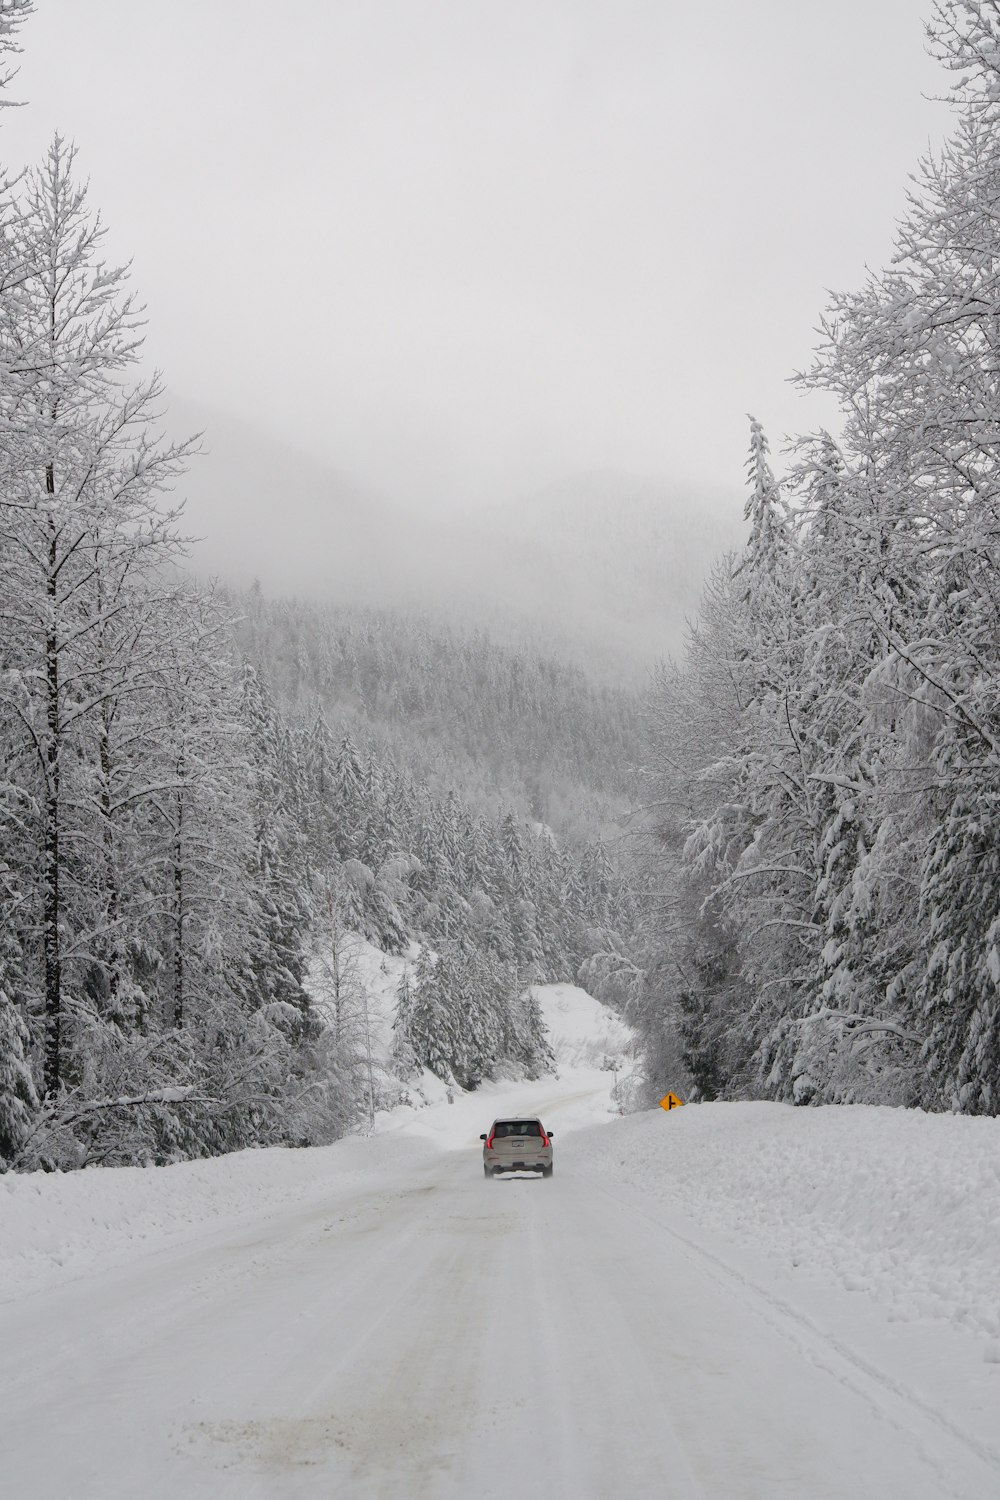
x,y
602,567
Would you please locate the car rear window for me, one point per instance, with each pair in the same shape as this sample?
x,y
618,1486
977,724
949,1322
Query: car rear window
x,y
516,1127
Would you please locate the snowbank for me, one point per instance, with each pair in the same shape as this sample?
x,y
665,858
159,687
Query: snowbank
x,y
898,1204
55,1226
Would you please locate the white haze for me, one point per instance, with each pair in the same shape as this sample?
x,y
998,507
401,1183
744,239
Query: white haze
x,y
411,260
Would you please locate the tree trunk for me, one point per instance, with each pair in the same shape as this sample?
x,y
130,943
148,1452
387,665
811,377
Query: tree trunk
x,y
50,905
114,958
179,905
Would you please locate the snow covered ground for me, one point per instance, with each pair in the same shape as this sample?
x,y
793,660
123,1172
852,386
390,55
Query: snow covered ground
x,y
740,1301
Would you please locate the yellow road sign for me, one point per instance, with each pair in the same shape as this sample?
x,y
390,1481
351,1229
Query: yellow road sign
x,y
670,1101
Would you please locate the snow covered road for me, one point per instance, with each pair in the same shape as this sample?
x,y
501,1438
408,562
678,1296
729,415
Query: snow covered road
x,y
412,1330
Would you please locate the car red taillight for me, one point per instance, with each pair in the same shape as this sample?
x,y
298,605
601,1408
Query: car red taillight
x,y
489,1141
545,1139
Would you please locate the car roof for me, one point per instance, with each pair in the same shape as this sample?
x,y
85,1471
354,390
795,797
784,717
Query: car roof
x,y
512,1119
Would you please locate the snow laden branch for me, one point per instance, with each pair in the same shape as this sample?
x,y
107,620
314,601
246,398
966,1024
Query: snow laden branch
x,y
13,14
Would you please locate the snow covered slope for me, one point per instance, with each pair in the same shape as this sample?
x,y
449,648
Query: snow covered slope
x,y
582,1031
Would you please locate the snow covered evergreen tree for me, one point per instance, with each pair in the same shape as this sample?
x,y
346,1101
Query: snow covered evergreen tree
x,y
18,1096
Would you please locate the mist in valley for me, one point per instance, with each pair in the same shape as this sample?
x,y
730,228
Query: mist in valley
x,y
600,567
471,303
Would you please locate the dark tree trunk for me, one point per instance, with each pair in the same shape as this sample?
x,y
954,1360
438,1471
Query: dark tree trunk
x,y
179,905
51,905
114,951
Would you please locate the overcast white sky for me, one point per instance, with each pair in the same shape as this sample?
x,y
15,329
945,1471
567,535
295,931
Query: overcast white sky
x,y
458,249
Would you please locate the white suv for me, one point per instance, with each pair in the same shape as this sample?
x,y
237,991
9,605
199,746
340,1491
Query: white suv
x,y
520,1144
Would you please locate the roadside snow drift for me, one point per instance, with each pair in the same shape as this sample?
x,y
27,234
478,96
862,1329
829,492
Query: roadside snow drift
x,y
897,1204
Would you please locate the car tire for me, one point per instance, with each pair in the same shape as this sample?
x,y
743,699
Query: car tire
x,y
488,1174
547,1171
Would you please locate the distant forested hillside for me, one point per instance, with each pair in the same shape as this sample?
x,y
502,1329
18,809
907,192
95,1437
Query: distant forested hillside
x,y
456,792
506,728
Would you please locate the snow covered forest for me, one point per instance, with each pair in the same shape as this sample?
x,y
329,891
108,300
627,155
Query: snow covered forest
x,y
203,789
824,788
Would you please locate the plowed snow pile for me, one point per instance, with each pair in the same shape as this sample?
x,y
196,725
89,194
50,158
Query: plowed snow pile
x,y
898,1204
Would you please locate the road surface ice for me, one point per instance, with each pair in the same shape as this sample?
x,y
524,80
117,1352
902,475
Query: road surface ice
x,y
377,1320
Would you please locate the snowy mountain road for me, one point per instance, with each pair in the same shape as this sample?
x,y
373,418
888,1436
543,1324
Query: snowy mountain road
x,y
425,1335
